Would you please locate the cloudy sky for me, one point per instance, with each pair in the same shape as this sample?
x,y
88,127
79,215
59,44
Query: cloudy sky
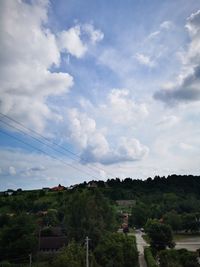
x,y
96,89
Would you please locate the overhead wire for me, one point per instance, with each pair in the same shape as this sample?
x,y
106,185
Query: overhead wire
x,y
34,138
44,152
95,168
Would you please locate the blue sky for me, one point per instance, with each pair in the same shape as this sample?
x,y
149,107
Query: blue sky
x,y
114,82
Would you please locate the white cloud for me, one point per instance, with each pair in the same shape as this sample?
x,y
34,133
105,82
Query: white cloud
x,y
28,52
187,86
12,170
120,108
94,34
94,145
70,42
168,121
166,25
153,34
144,60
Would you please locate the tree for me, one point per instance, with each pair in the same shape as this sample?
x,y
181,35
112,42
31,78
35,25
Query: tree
x,y
178,258
160,234
116,250
139,215
88,213
18,237
174,220
73,255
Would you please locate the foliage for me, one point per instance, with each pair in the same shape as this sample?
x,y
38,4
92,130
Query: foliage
x,y
160,234
149,258
116,250
72,255
88,213
178,258
139,216
17,237
174,219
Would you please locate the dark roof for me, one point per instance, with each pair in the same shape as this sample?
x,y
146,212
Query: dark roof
x,y
52,242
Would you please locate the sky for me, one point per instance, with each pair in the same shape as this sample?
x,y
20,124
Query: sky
x,y
98,89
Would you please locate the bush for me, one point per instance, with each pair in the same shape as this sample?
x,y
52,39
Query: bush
x,y
116,250
149,258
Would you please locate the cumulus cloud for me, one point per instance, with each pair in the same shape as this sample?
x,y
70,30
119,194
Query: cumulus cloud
x,y
120,108
93,34
71,42
94,145
187,87
28,53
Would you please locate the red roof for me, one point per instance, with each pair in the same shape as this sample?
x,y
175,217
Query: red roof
x,y
58,188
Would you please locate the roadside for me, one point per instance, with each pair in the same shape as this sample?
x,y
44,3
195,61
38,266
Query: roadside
x,y
189,242
141,243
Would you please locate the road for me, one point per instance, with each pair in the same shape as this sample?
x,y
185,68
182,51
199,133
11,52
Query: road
x,y
190,243
141,243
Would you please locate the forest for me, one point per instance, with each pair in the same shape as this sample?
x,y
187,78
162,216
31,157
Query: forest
x,y
163,206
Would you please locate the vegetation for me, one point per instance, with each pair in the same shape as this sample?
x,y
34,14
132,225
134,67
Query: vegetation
x,y
178,258
160,235
116,250
149,258
163,206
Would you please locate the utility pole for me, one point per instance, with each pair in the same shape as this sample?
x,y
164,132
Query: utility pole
x,y
87,251
30,256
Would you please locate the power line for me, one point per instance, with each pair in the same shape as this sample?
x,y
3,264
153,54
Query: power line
x,y
42,151
95,168
29,135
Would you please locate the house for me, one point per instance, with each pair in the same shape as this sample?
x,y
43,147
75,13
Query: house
x,y
45,189
58,188
52,240
9,192
50,244
92,185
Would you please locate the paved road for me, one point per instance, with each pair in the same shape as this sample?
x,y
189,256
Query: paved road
x,y
141,243
190,243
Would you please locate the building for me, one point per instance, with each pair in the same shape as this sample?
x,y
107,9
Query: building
x,y
58,188
51,244
52,240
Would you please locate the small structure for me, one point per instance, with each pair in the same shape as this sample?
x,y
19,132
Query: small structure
x,y
58,188
50,244
45,189
51,239
126,203
92,185
9,192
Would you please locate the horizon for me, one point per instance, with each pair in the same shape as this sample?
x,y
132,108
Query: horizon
x,y
97,89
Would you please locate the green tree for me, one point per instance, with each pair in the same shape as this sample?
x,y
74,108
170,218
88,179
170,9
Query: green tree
x,y
139,215
178,258
174,220
160,234
116,250
88,213
18,237
73,255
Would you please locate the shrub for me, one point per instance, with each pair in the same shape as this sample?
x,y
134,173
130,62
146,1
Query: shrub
x,y
149,258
